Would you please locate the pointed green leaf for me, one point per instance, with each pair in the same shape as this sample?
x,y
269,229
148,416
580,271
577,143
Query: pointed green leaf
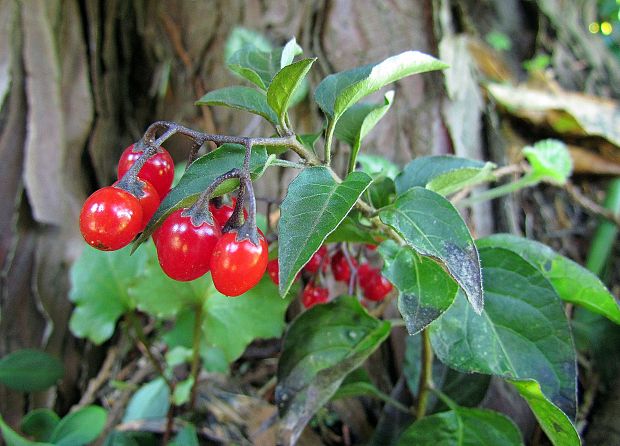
x,y
433,227
30,370
425,289
258,66
571,281
377,166
199,175
462,427
12,438
321,347
186,437
550,161
358,121
284,85
80,428
521,334
339,91
313,207
421,171
241,98
39,424
456,180
99,288
553,421
150,402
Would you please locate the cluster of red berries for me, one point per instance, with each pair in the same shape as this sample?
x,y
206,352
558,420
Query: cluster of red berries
x,y
373,285
188,246
112,216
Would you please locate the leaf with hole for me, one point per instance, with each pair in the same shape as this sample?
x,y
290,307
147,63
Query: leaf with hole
x,y
241,98
425,289
572,282
433,227
29,370
314,206
321,347
521,334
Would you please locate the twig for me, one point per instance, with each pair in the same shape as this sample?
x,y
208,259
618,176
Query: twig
x,y
426,376
98,381
589,205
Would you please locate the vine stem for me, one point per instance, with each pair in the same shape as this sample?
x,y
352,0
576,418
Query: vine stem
x,y
329,135
135,323
195,367
426,376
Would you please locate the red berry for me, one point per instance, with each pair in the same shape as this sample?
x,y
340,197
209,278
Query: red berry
x,y
274,271
184,250
237,266
158,170
340,267
377,287
313,295
149,202
319,259
364,273
110,218
224,212
370,247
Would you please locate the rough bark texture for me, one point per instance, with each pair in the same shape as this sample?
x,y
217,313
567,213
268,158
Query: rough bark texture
x,y
81,80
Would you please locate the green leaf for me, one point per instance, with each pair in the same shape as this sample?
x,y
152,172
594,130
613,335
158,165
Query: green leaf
x,y
80,428
339,91
99,288
552,420
313,207
186,437
259,313
150,402
182,391
462,427
433,227
456,180
321,347
358,121
425,289
241,98
199,175
421,171
39,424
572,282
12,438
30,370
118,438
283,87
240,37
521,334
356,383
258,66
550,161
350,230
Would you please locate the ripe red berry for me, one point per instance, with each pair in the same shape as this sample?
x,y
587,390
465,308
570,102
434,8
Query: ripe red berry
x,y
364,274
319,259
340,267
370,247
110,218
184,250
149,202
313,295
274,271
376,287
158,170
237,266
224,212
